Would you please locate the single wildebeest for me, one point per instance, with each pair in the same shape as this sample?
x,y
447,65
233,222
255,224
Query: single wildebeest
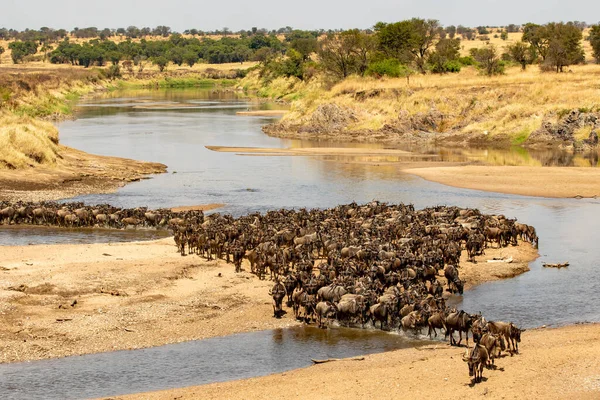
x,y
476,358
458,321
436,321
324,309
278,293
454,283
492,344
331,293
509,331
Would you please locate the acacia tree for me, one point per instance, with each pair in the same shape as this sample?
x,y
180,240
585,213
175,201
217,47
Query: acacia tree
x,y
564,45
408,40
346,54
488,60
537,37
520,52
594,39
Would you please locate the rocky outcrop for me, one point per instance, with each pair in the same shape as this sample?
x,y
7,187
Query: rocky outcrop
x,y
563,130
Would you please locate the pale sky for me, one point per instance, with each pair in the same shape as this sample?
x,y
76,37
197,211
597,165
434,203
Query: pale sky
x,y
272,14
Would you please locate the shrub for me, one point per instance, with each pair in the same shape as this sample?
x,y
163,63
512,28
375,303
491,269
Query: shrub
x,y
388,67
468,60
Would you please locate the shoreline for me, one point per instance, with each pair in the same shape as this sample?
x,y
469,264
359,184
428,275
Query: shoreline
x,y
145,294
554,363
551,182
75,173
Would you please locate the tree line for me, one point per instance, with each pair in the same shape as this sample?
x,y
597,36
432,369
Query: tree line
x,y
392,49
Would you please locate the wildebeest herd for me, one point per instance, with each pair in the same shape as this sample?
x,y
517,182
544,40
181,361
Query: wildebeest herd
x,y
375,264
78,215
367,264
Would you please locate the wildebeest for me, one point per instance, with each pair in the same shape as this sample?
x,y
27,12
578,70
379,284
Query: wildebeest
x,y
458,321
278,293
509,331
476,358
324,310
454,283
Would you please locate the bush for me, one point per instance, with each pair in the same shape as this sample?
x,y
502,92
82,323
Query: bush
x,y
388,67
113,72
466,61
453,66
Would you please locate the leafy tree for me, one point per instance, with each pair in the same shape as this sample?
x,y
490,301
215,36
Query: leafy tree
x,y
190,57
451,31
564,45
537,37
521,53
513,28
482,30
408,40
2,50
161,62
488,60
594,39
346,54
176,55
504,35
445,57
304,46
19,50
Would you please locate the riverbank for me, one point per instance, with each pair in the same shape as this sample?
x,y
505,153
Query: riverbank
x,y
62,300
558,182
74,173
529,108
561,363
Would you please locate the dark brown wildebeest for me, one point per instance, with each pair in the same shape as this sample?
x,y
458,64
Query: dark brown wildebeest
x,y
458,321
278,293
436,321
379,312
454,283
476,358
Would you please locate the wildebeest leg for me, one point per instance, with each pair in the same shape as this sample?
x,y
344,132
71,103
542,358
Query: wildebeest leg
x,y
459,337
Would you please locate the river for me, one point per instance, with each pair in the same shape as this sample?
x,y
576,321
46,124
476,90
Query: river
x,y
173,127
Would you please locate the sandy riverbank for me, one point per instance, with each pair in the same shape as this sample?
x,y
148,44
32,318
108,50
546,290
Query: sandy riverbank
x,y
133,295
76,173
561,363
527,181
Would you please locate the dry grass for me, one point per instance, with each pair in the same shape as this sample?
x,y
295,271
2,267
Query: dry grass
x,y
513,104
26,142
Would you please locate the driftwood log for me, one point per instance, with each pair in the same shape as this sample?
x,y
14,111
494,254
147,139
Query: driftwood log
x,y
559,265
336,359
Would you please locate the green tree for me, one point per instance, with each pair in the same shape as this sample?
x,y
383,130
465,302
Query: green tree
x,y
564,45
488,60
305,46
537,37
408,40
520,52
190,57
445,57
2,50
594,39
504,35
347,53
19,50
161,62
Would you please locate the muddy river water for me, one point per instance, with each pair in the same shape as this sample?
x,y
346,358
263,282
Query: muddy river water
x,y
173,127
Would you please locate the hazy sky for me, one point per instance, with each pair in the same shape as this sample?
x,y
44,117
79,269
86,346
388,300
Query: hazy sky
x,y
270,14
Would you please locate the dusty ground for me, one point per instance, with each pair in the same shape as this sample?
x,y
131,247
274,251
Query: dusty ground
x,y
141,295
75,174
127,296
527,181
561,363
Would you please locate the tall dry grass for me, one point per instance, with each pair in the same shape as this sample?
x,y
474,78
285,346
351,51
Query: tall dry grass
x,y
514,104
26,141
